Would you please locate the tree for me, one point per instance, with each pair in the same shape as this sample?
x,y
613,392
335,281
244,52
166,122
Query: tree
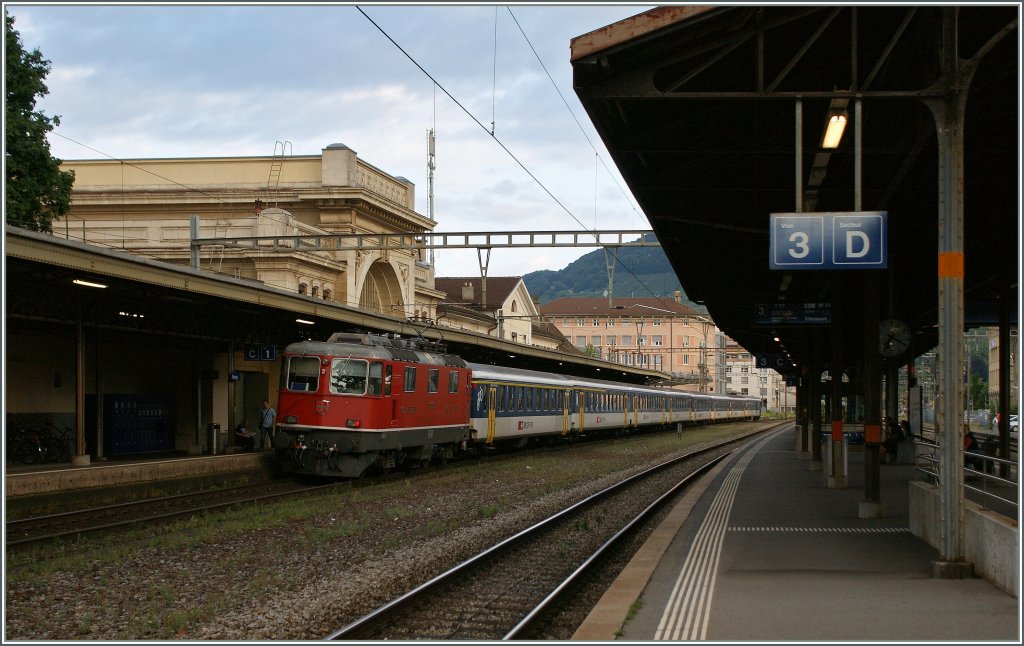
x,y
37,190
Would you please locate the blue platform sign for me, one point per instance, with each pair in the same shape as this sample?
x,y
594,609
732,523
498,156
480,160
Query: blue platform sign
x,y
853,240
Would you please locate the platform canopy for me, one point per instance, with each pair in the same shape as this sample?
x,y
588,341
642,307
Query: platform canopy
x,y
699,108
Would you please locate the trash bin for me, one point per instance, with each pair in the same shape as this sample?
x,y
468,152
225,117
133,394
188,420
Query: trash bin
x,y
213,439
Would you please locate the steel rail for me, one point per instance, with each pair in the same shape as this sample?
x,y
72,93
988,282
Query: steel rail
x,y
379,615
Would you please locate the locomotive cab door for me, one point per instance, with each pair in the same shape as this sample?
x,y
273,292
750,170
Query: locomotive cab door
x,y
393,405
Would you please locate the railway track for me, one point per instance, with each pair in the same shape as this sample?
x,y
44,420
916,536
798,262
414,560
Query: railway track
x,y
514,588
42,529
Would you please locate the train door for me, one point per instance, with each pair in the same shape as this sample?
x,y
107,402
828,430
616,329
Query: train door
x,y
636,410
491,394
583,407
393,405
564,396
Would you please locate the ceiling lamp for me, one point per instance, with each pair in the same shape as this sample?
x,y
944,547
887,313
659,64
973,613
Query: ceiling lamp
x,y
834,129
86,283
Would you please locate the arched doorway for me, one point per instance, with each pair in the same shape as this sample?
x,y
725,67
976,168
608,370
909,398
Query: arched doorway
x,y
382,291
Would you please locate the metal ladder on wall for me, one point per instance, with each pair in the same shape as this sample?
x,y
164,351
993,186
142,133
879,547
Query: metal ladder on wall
x,y
281,149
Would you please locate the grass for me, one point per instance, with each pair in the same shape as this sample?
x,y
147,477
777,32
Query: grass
x,y
634,608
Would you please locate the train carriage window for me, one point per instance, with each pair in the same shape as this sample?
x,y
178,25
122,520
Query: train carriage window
x,y
304,373
373,383
519,398
481,397
387,380
433,376
453,381
410,379
348,377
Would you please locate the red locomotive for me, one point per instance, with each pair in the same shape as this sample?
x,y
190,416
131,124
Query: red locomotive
x,y
381,402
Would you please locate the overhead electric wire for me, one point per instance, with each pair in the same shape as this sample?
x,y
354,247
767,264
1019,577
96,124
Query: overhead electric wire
x,y
499,142
477,122
567,107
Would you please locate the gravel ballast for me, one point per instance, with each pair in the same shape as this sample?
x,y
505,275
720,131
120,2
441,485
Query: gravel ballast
x,y
299,569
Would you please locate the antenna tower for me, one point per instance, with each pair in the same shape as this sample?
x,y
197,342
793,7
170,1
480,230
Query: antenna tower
x,y
430,184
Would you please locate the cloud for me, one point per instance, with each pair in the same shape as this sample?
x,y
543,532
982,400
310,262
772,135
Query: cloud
x,y
219,80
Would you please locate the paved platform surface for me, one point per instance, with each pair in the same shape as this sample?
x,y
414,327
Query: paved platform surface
x,y
765,551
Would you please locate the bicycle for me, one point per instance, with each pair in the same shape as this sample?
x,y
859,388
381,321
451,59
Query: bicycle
x,y
28,447
57,441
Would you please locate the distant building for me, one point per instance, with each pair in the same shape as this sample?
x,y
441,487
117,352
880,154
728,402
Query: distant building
x,y
501,306
993,368
743,377
653,333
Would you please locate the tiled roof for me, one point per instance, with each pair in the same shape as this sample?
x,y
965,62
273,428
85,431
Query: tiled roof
x,y
498,289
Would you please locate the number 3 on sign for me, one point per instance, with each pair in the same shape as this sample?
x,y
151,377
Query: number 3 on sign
x,y
799,240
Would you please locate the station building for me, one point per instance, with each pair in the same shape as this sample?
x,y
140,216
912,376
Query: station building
x,y
144,206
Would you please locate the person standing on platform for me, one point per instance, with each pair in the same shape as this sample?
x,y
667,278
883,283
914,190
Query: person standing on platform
x,y
267,423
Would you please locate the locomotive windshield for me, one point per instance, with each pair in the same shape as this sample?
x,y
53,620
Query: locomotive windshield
x,y
304,373
348,377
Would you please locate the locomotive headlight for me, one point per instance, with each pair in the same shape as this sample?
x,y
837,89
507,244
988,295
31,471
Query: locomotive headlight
x,y
291,419
353,423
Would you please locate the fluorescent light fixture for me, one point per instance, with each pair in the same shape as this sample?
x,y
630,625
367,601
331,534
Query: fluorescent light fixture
x,y
85,283
304,321
834,129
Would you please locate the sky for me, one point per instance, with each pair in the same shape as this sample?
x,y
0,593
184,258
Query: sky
x,y
203,80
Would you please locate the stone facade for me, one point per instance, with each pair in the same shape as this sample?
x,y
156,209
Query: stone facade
x,y
145,205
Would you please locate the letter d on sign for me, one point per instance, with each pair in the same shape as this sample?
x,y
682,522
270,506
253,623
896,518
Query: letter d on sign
x,y
865,244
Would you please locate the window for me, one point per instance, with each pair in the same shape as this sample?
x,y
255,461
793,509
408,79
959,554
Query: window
x,y
515,337
627,340
453,381
656,339
686,359
580,322
595,340
565,322
304,373
410,379
348,377
596,322
373,383
387,380
514,307
610,321
686,340
609,340
745,370
581,341
657,322
625,321
744,380
641,340
432,379
499,397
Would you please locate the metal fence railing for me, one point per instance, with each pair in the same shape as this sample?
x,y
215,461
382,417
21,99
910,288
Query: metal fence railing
x,y
983,474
